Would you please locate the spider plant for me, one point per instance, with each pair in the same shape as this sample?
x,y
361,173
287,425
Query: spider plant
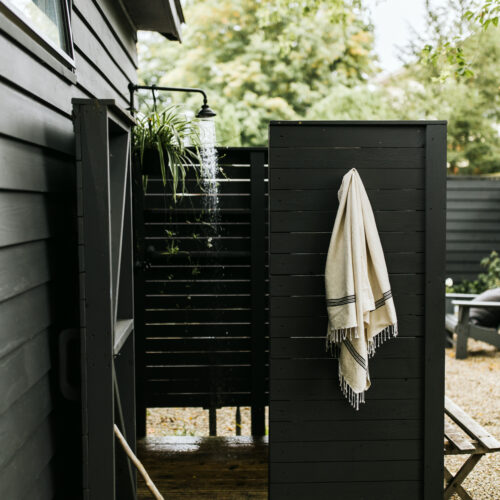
x,y
174,139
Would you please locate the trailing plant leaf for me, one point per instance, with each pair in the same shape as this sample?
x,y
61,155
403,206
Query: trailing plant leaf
x,y
176,141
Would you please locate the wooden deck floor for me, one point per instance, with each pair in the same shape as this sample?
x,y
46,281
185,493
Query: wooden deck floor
x,y
214,468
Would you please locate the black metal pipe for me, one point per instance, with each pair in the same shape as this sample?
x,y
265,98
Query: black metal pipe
x,y
134,88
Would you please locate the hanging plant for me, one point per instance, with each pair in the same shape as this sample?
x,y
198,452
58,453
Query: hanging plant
x,y
173,141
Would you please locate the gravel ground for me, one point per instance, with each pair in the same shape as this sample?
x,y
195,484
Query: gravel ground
x,y
194,421
473,384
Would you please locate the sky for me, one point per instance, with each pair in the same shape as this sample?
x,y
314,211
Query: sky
x,y
392,19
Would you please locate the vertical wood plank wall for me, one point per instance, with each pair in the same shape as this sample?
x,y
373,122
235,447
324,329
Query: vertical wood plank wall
x,y
39,432
319,446
472,224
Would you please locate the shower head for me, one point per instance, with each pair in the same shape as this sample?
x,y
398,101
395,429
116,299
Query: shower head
x,y
206,112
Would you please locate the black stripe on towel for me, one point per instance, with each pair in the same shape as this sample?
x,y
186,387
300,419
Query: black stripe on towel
x,y
385,297
355,354
348,299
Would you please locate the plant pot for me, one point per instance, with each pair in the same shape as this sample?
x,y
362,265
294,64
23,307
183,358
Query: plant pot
x,y
151,163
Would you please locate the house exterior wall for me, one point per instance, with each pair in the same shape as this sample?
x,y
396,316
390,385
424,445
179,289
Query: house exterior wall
x,y
472,224
39,429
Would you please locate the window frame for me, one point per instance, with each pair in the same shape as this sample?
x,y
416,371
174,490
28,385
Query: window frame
x,y
26,25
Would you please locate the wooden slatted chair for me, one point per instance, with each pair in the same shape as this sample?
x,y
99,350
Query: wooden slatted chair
x,y
476,444
460,324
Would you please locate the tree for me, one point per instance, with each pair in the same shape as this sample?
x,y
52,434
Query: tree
x,y
470,102
262,61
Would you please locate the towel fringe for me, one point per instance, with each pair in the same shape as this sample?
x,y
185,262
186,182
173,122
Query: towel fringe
x,y
385,334
354,398
337,335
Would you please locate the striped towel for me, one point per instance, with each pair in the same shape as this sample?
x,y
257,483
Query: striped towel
x,y
361,313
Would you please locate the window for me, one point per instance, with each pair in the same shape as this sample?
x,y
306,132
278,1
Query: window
x,y
49,20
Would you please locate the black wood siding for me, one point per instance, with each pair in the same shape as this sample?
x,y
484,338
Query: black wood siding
x,y
320,447
472,224
39,431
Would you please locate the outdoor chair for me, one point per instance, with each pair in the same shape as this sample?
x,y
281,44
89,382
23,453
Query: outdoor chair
x,y
476,443
458,306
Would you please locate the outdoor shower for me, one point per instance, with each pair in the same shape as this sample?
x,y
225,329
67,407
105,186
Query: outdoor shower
x,y
207,140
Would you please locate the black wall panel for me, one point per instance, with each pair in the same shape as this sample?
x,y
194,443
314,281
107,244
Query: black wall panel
x,y
319,446
472,224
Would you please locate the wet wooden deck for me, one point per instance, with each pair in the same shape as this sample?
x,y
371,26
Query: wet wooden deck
x,y
214,468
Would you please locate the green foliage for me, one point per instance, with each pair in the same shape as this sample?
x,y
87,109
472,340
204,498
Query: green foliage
x,y
470,105
448,48
262,61
167,134
485,281
486,14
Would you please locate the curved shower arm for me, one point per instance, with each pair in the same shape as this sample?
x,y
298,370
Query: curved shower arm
x,y
134,88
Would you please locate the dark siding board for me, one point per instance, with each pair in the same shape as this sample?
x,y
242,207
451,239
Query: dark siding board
x,y
44,487
318,179
34,77
34,122
314,326
87,12
26,167
383,389
345,136
471,234
23,267
116,20
193,301
22,368
94,51
328,472
317,242
474,195
19,475
197,358
323,221
312,306
18,325
347,451
397,263
468,236
337,410
384,199
409,490
285,286
364,430
314,348
92,81
311,369
176,344
188,330
23,417
360,158
26,217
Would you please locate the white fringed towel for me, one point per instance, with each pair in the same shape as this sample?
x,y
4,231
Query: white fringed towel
x,y
361,313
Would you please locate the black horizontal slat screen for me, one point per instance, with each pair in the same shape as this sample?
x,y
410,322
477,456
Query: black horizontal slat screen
x,y
200,291
472,224
319,446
